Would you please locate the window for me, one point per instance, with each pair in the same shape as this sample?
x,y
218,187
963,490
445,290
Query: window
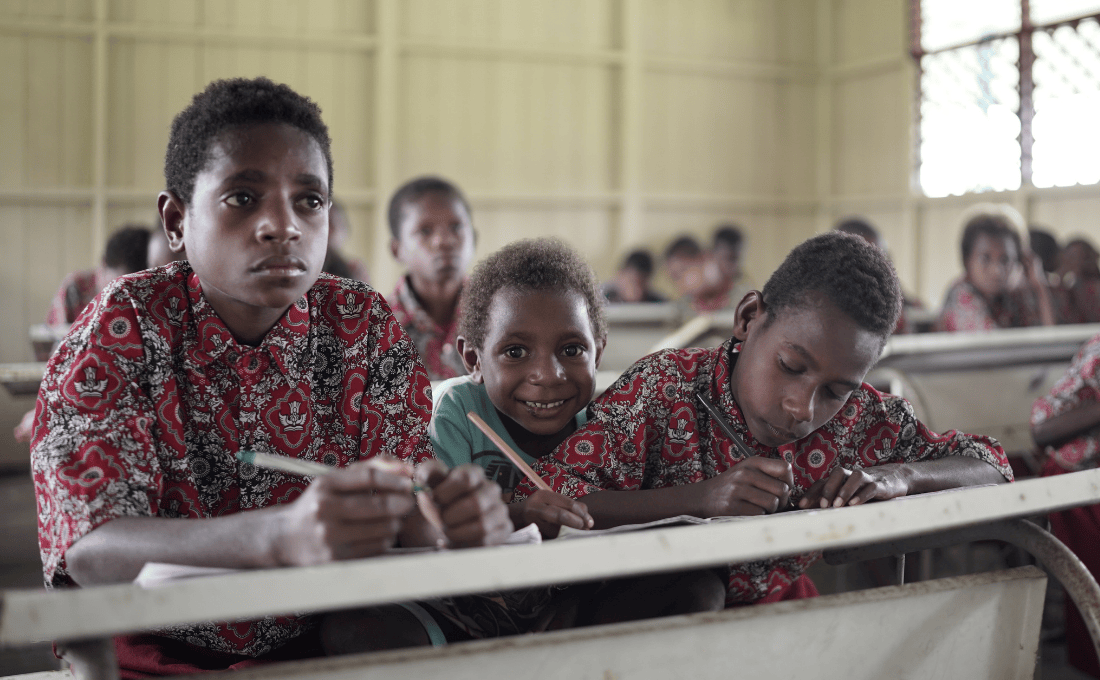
x,y
1009,93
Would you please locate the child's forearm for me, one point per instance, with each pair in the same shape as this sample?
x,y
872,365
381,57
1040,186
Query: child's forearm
x,y
614,508
950,473
116,551
1066,426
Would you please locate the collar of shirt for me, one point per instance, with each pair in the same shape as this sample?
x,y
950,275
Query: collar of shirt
x,y
286,342
409,310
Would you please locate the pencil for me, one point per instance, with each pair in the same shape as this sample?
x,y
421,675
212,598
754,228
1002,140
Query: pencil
x,y
507,450
284,464
309,469
738,443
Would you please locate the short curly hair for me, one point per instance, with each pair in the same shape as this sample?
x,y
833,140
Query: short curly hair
x,y
127,249
528,265
415,189
230,103
846,270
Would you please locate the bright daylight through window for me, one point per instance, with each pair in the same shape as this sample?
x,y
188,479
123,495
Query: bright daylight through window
x,y
1009,94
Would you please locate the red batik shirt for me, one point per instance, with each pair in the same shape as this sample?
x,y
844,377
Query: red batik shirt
x,y
649,431
435,343
149,396
965,309
1080,385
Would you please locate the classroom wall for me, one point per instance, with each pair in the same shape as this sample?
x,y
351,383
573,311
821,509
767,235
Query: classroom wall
x,y
609,123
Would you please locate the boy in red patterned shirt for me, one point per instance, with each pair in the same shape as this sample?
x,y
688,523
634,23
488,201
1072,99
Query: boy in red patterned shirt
x,y
170,372
789,384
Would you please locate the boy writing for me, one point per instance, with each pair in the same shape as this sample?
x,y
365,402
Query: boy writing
x,y
172,371
789,383
433,237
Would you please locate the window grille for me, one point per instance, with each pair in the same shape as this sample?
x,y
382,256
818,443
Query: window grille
x,y
1009,94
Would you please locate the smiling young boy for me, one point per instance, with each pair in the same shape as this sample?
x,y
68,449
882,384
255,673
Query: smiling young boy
x,y
433,237
243,347
789,383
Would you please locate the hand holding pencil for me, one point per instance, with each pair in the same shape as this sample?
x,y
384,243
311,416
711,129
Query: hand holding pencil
x,y
549,510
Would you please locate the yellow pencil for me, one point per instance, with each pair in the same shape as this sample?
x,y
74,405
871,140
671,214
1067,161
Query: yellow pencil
x,y
507,450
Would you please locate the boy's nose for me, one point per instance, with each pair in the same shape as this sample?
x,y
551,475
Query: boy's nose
x,y
546,370
799,406
278,224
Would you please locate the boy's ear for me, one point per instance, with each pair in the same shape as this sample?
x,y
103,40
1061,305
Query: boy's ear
x,y
172,211
600,345
749,310
395,245
470,358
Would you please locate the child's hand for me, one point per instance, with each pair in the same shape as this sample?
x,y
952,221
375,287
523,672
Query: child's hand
x,y
550,512
469,505
853,487
352,513
755,486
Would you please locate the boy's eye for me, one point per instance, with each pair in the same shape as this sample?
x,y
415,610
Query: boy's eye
x,y
786,368
240,200
515,352
572,350
312,202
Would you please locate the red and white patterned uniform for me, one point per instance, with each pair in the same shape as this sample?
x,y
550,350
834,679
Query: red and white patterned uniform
x,y
1079,385
149,396
649,431
435,343
965,309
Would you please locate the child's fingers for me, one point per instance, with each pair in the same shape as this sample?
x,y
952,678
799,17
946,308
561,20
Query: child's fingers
x,y
555,502
369,508
487,530
362,477
832,485
470,506
430,473
459,482
856,481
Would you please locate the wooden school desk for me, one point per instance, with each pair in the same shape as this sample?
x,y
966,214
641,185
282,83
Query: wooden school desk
x,y
984,625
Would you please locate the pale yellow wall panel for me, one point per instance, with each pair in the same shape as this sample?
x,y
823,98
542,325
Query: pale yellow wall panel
x,y
712,135
71,10
563,23
138,211
522,130
51,140
940,254
15,286
13,112
1069,217
588,230
870,136
753,30
869,29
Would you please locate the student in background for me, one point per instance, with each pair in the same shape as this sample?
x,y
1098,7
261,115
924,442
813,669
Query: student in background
x,y
1003,286
1080,282
532,333
1066,425
632,282
244,346
434,238
858,226
699,277
789,384
125,253
336,262
726,249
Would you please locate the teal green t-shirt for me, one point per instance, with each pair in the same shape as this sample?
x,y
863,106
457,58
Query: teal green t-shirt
x,y
457,441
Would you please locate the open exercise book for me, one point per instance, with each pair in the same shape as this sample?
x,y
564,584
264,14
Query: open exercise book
x,y
684,520
155,574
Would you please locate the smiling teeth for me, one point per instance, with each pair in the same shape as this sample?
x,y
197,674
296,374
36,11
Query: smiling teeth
x,y
540,404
